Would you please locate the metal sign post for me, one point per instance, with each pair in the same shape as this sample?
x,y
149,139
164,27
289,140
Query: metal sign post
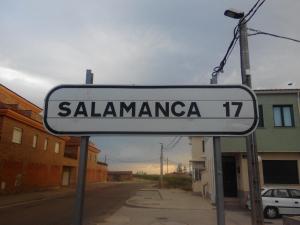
x,y
219,181
84,142
218,170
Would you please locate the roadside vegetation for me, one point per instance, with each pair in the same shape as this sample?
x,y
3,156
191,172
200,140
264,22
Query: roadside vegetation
x,y
180,181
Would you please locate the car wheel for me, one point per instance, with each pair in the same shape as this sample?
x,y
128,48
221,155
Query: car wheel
x,y
271,212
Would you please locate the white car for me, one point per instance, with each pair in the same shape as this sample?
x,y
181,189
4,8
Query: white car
x,y
279,201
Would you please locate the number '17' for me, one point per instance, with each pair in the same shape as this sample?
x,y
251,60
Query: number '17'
x,y
239,105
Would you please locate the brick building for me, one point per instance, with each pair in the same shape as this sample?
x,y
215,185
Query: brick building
x,y
96,171
30,157
120,175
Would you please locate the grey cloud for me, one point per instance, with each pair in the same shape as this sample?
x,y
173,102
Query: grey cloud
x,y
140,42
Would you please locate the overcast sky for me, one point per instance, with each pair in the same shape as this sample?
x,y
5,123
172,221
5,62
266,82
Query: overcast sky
x,y
46,43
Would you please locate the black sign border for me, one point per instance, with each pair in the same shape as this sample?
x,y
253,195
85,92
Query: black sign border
x,y
87,133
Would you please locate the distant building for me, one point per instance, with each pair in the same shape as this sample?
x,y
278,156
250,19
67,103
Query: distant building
x,y
278,146
96,171
120,175
30,157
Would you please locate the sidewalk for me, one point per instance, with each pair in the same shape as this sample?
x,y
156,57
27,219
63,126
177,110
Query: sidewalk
x,y
168,199
174,207
148,207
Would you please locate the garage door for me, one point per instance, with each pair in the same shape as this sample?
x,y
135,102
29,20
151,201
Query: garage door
x,y
280,171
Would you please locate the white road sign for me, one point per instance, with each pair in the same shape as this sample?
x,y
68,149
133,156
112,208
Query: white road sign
x,y
184,110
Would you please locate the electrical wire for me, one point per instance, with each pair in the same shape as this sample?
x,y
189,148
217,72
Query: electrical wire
x,y
173,162
220,68
229,50
254,12
257,32
171,142
174,144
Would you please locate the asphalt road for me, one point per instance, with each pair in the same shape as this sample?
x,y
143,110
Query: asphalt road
x,y
99,204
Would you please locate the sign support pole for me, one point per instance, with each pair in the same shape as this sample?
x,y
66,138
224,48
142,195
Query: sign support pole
x,y
84,142
218,174
219,181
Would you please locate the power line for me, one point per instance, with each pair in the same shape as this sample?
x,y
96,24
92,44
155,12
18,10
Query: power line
x,y
254,10
273,35
174,144
171,161
232,44
171,142
220,68
251,10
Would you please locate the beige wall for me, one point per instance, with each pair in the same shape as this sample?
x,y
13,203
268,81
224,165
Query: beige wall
x,y
197,150
207,184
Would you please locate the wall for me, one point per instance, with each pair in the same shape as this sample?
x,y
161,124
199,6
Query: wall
x,y
24,167
207,183
197,150
269,138
197,155
96,172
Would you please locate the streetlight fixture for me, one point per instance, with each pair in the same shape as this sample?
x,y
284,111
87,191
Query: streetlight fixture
x,y
233,13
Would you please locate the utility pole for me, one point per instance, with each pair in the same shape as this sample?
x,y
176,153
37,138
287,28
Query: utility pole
x,y
218,173
167,165
161,165
257,217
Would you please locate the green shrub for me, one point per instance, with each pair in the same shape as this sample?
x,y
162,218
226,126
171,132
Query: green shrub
x,y
152,177
170,181
178,181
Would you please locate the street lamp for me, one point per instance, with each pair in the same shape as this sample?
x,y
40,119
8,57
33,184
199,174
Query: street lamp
x,y
233,13
251,147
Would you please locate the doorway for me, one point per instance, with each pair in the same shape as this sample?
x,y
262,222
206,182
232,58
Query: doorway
x,y
66,176
229,176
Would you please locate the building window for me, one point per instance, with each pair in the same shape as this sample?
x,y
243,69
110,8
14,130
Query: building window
x,y
34,141
46,144
203,146
196,174
56,148
261,116
283,116
17,135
